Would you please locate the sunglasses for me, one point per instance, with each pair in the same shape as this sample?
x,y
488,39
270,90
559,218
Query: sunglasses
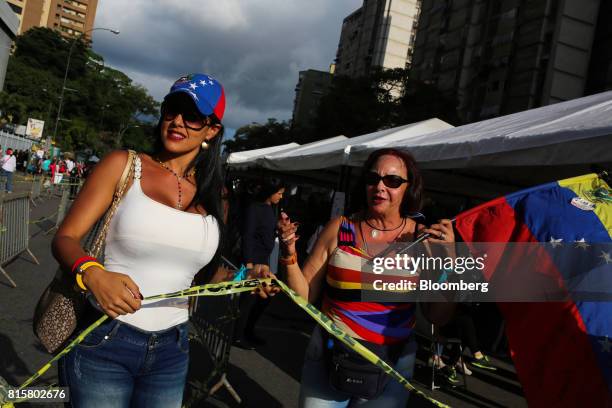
x,y
390,180
191,119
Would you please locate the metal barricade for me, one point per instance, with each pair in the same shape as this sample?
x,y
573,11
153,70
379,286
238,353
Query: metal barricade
x,y
36,190
61,208
15,215
212,320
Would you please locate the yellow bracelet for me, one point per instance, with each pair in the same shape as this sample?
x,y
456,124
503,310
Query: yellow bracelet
x,y
83,268
79,281
87,265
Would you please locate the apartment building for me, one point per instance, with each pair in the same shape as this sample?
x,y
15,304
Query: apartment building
x,y
311,87
502,56
380,33
71,18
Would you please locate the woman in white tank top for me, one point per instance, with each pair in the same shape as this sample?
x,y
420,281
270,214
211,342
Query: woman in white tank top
x,y
166,229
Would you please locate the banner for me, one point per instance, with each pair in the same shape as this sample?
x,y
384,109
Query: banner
x,y
34,129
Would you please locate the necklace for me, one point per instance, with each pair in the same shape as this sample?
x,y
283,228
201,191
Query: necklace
x,y
365,243
374,232
179,204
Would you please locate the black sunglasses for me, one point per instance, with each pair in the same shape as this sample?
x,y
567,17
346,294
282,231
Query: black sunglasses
x,y
390,180
191,118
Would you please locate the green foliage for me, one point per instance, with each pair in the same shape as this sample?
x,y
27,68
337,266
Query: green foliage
x,y
384,99
104,100
256,136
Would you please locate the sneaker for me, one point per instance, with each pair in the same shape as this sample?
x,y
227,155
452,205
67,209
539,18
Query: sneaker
x,y
462,368
484,363
450,374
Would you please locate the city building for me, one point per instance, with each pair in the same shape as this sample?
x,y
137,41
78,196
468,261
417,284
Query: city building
x,y
380,33
70,17
599,78
504,56
311,86
10,25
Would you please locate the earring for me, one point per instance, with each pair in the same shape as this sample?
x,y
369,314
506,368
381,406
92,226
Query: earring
x,y
204,145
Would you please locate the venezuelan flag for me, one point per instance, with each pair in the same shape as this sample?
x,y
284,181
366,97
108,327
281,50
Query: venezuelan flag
x,y
562,350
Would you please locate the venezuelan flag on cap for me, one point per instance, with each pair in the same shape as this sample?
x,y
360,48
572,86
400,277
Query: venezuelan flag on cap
x,y
562,350
205,91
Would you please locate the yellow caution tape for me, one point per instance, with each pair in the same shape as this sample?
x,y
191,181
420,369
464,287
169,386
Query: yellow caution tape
x,y
227,288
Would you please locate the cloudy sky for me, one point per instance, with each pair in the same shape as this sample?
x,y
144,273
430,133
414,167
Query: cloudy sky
x,y
254,47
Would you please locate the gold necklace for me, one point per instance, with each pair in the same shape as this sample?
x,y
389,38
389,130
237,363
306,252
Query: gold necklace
x,y
179,204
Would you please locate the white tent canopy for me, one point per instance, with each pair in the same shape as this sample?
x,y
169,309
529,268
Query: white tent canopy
x,y
244,159
578,131
248,158
336,152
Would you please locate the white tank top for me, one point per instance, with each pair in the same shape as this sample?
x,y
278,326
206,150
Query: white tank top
x,y
161,249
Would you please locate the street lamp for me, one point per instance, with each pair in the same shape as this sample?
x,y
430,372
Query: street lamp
x,y
61,98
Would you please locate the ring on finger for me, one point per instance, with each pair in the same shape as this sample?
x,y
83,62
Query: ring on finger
x,y
442,236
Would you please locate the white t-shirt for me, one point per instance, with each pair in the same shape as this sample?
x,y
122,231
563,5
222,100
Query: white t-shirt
x,y
9,163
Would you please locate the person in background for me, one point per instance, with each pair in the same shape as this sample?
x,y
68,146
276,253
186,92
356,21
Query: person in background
x,y
54,168
69,165
257,244
9,165
461,326
46,165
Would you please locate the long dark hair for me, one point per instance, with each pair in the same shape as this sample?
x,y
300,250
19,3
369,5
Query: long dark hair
x,y
209,184
267,187
413,197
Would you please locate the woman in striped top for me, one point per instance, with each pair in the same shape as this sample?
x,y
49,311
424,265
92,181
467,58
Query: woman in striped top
x,y
336,272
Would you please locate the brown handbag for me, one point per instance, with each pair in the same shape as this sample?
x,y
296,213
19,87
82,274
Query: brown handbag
x,y
62,304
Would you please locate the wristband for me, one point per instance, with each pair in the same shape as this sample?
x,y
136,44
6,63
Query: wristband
x,y
81,261
291,260
82,268
79,281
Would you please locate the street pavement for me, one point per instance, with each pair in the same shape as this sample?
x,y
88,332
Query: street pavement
x,y
268,376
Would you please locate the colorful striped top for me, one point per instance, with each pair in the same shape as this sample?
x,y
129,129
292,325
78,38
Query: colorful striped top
x,y
348,278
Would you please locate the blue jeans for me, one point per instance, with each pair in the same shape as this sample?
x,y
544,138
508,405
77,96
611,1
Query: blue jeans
x,y
9,179
316,391
121,366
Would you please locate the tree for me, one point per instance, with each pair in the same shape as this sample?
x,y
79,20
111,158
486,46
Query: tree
x,y
383,99
103,101
257,136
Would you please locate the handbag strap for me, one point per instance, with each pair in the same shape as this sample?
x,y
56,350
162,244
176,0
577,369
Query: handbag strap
x,y
128,171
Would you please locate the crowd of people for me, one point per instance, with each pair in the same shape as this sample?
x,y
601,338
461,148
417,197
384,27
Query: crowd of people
x,y
39,163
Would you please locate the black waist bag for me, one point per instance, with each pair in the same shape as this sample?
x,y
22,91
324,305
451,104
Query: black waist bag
x,y
352,374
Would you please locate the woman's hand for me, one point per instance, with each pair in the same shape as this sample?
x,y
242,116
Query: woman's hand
x,y
440,233
116,293
260,271
287,232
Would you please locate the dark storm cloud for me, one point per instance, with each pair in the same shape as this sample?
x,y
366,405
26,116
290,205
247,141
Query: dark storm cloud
x,y
255,48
